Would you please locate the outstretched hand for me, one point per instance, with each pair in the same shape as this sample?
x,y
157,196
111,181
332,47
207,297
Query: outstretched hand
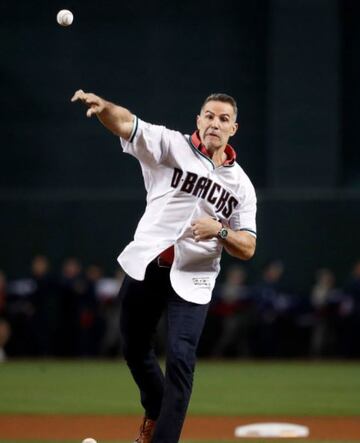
x,y
94,103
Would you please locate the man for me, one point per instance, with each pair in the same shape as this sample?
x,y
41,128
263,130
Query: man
x,y
199,200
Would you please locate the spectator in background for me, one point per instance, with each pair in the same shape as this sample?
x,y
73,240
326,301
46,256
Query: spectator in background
x,y
325,299
4,325
353,284
72,288
244,320
82,327
107,290
90,324
232,305
20,313
45,302
268,303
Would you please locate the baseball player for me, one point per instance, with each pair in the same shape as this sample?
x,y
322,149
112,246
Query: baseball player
x,y
199,201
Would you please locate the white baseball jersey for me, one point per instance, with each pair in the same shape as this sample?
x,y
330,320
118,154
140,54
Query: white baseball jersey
x,y
182,185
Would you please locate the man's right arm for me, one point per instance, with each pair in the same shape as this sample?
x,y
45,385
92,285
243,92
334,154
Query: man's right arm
x,y
115,118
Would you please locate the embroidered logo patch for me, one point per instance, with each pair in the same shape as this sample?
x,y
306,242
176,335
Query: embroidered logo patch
x,y
203,282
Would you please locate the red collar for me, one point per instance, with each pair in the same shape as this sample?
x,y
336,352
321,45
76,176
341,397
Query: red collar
x,y
229,150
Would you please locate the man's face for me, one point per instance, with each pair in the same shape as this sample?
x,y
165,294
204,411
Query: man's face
x,y
216,124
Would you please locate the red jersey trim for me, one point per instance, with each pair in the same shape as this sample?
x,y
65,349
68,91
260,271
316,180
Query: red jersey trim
x,y
229,150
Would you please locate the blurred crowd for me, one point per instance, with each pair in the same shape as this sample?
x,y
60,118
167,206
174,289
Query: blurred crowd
x,y
265,319
76,313
67,314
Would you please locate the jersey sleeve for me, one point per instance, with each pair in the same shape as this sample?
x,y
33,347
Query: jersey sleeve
x,y
148,143
244,216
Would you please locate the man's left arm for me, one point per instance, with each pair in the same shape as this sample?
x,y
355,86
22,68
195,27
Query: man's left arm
x,y
239,244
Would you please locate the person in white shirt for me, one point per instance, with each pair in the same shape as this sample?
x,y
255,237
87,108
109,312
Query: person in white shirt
x,y
199,201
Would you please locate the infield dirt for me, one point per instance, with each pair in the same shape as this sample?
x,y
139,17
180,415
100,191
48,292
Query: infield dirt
x,y
68,427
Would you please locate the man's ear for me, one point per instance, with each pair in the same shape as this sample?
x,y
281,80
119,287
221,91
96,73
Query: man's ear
x,y
197,121
234,129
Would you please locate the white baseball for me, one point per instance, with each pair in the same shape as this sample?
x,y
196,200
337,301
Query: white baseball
x,y
89,440
65,18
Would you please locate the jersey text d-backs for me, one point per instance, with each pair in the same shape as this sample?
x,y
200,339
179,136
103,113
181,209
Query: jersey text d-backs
x,y
183,184
204,187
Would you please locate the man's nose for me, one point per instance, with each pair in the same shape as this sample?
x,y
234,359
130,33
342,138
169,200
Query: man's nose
x,y
215,123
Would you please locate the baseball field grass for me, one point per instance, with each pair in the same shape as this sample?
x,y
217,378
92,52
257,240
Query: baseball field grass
x,y
232,388
221,388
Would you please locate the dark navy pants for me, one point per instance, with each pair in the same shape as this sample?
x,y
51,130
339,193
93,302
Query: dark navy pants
x,y
164,398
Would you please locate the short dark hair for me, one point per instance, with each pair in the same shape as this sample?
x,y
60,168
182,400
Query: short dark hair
x,y
221,97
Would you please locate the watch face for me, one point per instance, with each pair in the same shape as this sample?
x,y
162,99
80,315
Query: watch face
x,y
223,233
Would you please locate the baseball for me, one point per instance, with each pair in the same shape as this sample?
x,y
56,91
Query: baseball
x,y
89,440
65,18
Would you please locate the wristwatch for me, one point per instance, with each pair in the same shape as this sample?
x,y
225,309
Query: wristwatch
x,y
223,233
